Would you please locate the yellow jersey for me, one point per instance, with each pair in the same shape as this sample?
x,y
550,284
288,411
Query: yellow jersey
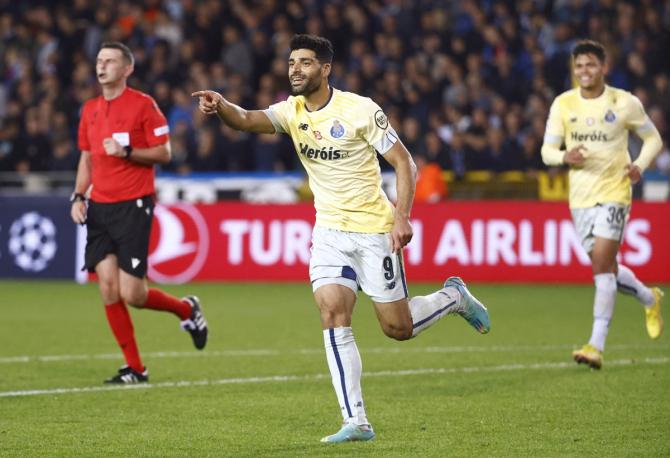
x,y
602,126
337,145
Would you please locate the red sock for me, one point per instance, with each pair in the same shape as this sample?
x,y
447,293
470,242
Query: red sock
x,y
122,327
158,300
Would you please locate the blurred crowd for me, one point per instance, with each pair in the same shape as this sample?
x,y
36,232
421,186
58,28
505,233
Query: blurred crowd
x,y
467,84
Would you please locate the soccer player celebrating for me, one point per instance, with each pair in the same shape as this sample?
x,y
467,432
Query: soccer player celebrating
x,y
122,134
593,121
358,237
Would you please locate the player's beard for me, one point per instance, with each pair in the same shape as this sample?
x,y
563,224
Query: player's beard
x,y
312,85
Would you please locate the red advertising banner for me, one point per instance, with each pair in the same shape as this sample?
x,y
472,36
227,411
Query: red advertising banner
x,y
509,241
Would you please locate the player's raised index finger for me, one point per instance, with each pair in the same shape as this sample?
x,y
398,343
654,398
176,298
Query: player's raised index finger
x,y
199,94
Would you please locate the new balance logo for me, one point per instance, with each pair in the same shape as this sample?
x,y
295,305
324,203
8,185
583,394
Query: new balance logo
x,y
135,262
302,126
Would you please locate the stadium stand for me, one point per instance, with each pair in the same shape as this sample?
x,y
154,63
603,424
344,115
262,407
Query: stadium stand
x,y
468,84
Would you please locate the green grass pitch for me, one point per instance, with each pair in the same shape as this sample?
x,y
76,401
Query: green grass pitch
x,y
261,387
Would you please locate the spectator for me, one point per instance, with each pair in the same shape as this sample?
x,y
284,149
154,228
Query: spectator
x,y
412,136
475,64
531,160
32,147
458,155
206,158
65,157
500,155
430,185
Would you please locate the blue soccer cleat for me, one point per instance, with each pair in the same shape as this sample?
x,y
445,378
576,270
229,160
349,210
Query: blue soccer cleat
x,y
350,432
469,307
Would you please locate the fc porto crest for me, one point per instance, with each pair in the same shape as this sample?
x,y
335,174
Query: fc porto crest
x,y
337,130
610,116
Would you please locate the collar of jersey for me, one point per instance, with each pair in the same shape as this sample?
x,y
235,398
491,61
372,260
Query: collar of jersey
x,y
600,97
124,92
330,97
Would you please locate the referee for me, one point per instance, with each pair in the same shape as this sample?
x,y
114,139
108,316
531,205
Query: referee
x,y
122,134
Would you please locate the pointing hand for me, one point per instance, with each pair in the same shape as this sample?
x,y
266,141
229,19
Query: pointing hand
x,y
208,101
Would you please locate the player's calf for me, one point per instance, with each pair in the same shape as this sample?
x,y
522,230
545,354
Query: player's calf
x,y
397,332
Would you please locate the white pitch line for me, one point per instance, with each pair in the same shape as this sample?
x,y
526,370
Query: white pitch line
x,y
157,354
319,351
301,378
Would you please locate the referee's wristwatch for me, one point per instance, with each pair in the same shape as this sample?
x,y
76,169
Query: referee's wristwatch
x,y
77,197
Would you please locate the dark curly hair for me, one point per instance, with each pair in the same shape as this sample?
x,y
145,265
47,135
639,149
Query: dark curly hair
x,y
589,47
322,47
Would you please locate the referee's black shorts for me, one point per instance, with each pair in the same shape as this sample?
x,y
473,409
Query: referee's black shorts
x,y
120,228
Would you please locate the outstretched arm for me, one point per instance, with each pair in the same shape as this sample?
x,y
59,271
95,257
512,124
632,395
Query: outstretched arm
x,y
238,118
405,171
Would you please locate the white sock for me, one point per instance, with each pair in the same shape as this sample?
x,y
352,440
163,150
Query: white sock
x,y
603,308
345,366
427,310
628,283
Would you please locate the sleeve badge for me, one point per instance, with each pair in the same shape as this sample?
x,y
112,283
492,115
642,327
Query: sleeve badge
x,y
381,120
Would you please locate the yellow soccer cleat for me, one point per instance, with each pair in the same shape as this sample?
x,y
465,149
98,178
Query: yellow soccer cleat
x,y
653,317
590,355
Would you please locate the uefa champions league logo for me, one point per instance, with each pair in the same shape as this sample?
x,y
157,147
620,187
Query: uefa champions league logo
x,y
32,241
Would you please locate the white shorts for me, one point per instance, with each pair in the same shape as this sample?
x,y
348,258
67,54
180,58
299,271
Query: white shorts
x,y
357,261
603,220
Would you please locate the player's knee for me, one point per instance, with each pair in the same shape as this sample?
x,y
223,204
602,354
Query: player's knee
x,y
600,267
332,314
332,318
135,297
109,290
398,332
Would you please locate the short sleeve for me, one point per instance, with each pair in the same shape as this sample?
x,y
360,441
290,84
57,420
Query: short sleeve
x,y
82,136
377,131
555,131
154,124
278,114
